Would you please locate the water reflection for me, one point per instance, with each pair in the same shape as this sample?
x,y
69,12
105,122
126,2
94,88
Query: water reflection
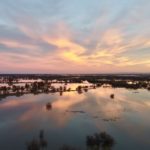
x,y
72,116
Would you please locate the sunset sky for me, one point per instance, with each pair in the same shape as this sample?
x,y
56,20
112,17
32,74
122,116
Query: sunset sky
x,y
74,36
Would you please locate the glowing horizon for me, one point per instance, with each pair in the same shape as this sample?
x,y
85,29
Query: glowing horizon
x,y
60,36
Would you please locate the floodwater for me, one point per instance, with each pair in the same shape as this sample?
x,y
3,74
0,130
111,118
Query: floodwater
x,y
73,116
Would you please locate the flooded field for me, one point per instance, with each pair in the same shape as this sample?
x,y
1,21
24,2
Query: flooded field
x,y
68,119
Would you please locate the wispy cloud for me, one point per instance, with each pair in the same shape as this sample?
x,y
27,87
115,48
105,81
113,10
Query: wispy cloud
x,y
74,36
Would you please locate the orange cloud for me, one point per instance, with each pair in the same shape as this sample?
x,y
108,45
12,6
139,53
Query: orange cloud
x,y
66,44
67,49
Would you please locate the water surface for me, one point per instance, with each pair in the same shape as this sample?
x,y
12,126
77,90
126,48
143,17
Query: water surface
x,y
73,116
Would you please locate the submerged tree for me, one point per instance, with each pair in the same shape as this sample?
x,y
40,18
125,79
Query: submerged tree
x,y
100,141
112,96
38,144
49,106
33,145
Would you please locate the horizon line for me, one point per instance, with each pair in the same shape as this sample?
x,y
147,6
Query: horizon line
x,y
74,73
